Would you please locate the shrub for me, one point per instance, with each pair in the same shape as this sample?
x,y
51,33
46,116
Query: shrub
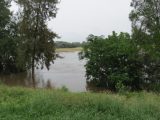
x,y
114,62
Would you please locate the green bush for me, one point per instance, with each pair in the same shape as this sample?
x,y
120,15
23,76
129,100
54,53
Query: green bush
x,y
114,62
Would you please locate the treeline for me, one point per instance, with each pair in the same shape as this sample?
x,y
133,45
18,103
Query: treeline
x,y
63,44
124,62
25,40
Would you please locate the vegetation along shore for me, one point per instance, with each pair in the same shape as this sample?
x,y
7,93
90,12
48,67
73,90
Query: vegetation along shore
x,y
18,103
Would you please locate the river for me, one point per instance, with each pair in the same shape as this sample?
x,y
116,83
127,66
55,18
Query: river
x,y
68,71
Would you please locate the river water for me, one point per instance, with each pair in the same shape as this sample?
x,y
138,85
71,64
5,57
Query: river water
x,y
68,71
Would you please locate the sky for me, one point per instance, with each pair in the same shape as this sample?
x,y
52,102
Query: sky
x,y
76,19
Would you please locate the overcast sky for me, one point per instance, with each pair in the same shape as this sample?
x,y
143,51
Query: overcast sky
x,y
76,19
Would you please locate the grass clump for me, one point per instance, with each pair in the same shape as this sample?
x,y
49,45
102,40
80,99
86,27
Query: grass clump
x,y
39,104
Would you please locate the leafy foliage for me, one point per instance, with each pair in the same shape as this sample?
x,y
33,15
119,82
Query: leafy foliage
x,y
145,19
63,44
124,62
37,45
26,42
8,40
113,62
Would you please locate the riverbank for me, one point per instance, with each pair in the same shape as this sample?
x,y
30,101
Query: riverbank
x,y
68,49
40,104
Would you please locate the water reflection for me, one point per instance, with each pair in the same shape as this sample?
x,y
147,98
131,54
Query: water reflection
x,y
22,79
68,72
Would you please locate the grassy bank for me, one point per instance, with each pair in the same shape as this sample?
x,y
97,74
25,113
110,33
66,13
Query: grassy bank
x,y
68,49
28,104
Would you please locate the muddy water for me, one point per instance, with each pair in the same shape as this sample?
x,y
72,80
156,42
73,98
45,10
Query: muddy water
x,y
68,72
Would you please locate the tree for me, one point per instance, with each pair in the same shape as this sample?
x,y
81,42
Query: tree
x,y
37,45
145,19
63,44
113,63
8,39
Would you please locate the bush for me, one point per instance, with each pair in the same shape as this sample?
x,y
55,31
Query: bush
x,y
113,63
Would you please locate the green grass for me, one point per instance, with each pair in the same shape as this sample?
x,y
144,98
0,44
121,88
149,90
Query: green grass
x,y
68,49
39,104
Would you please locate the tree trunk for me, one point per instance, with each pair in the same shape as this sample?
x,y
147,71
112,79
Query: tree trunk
x,y
33,64
33,72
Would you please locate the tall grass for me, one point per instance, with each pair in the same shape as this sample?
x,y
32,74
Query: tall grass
x,y
39,104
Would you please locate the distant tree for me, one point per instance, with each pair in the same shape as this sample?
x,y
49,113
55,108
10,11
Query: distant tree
x,y
63,44
37,45
113,63
76,44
